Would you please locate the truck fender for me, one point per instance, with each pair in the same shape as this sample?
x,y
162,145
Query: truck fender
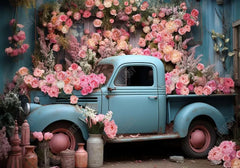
x,y
189,112
42,116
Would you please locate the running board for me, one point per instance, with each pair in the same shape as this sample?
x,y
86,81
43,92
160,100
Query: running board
x,y
139,137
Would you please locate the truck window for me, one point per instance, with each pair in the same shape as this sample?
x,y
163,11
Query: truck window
x,y
135,76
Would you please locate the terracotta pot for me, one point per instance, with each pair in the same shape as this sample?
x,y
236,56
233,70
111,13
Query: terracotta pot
x,y
30,159
95,150
81,156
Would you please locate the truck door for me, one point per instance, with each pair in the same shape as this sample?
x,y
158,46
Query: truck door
x,y
133,99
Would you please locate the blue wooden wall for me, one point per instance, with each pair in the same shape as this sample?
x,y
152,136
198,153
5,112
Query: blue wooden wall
x,y
208,21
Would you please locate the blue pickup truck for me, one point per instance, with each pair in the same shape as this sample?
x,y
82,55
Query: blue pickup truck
x,y
135,92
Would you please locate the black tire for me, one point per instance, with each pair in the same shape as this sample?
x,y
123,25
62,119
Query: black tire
x,y
69,129
199,150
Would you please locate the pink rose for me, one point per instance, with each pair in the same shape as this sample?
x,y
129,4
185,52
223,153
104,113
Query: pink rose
x,y
77,16
137,17
35,83
184,90
12,21
142,42
56,47
97,23
8,50
128,10
21,35
53,91
48,136
50,78
184,79
111,21
101,78
23,71
89,3
110,128
207,90
186,16
73,99
190,22
198,90
228,82
38,72
100,14
63,18
86,14
69,22
74,66
58,67
200,66
181,31
113,12
115,2
195,13
68,89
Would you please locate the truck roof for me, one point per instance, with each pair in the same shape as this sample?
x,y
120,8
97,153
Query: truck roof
x,y
119,60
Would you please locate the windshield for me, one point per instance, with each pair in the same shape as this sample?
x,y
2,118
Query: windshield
x,y
106,69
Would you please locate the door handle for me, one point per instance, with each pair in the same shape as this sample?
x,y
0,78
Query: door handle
x,y
152,97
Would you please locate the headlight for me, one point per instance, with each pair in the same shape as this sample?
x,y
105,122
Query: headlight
x,y
27,108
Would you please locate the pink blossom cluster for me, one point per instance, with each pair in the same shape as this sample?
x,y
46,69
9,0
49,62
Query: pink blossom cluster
x,y
225,152
17,47
185,83
97,123
163,37
40,136
55,82
5,146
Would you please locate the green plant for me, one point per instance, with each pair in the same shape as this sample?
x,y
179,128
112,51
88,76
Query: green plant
x,y
221,46
11,109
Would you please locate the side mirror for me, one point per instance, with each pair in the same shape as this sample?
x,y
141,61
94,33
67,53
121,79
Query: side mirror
x,y
110,89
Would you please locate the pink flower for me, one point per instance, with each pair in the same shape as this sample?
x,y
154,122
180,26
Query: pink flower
x,y
69,22
228,82
115,2
56,47
74,66
110,128
101,78
227,164
181,31
94,83
21,35
77,16
8,50
198,90
195,13
184,90
38,72
100,14
50,78
200,66
212,84
186,16
207,90
107,3
48,136
184,79
73,99
86,14
226,158
215,154
100,117
238,154
12,21
190,22
28,79
68,89
53,91
142,42
89,3
23,71
45,88
113,12
137,17
97,23
111,20
38,135
84,91
63,18
58,67
179,85
128,10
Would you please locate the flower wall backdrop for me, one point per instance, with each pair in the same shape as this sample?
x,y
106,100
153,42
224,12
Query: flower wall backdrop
x,y
63,61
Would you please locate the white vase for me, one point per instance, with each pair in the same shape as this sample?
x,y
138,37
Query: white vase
x,y
95,148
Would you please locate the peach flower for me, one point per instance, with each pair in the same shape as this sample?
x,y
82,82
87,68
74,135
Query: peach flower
x,y
137,17
107,3
23,71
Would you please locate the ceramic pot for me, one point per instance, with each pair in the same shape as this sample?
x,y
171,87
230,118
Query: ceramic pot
x,y
43,154
95,150
30,159
81,156
67,158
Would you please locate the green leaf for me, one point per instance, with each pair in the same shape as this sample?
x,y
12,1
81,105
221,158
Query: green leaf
x,y
230,54
224,48
227,40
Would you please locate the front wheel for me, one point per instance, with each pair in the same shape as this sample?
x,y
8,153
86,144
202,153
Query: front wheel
x,y
66,135
200,139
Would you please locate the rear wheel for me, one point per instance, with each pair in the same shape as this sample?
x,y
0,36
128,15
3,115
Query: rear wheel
x,y
66,135
200,139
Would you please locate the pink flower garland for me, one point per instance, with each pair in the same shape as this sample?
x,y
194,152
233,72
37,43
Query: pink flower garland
x,y
17,46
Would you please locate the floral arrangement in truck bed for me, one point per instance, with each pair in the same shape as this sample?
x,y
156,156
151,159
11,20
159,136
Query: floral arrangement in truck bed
x,y
99,123
17,45
110,28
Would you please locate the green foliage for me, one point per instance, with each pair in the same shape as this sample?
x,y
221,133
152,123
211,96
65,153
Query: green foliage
x,y
221,46
11,110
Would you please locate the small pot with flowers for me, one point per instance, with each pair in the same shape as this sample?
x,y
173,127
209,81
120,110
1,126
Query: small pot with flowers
x,y
99,125
43,148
